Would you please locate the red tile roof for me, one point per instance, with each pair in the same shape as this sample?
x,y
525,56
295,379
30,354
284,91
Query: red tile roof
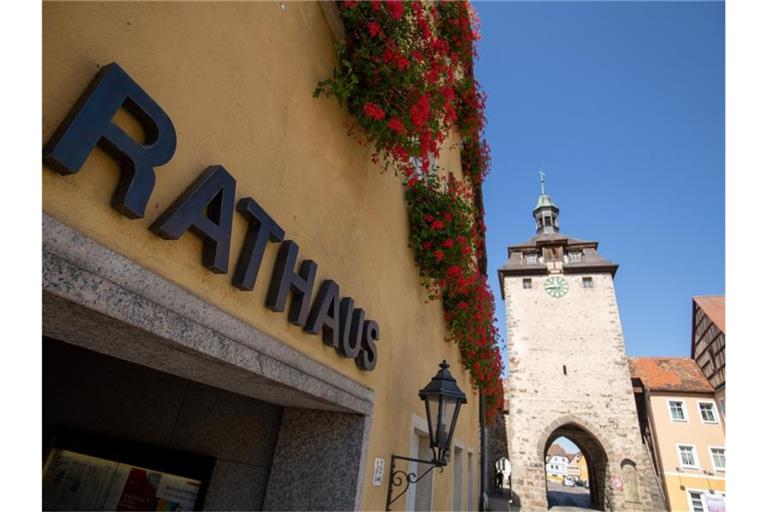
x,y
714,307
556,449
669,374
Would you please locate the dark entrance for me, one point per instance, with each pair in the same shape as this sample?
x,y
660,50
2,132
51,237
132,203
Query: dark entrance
x,y
115,431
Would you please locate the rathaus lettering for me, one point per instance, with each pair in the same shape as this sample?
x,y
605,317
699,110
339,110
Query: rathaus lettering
x,y
205,208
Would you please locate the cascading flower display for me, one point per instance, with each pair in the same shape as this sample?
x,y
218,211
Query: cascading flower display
x,y
405,73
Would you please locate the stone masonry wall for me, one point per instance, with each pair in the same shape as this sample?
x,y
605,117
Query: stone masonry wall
x,y
568,367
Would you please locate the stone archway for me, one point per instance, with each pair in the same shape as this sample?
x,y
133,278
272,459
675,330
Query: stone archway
x,y
597,452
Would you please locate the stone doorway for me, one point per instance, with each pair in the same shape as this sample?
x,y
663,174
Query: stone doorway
x,y
596,459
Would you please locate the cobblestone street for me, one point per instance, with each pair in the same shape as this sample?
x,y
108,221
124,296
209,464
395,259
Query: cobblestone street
x,y
561,499
567,498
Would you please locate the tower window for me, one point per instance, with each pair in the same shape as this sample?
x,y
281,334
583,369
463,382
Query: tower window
x,y
586,282
527,284
547,221
531,257
574,256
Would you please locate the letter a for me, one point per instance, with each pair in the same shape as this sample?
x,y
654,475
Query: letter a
x,y
206,208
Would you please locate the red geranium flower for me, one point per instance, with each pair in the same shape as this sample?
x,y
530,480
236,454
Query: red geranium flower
x,y
374,111
439,255
396,125
396,8
374,29
401,62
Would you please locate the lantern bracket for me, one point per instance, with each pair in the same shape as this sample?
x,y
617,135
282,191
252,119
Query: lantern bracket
x,y
398,477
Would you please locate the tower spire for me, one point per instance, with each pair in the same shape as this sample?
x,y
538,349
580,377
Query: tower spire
x,y
546,212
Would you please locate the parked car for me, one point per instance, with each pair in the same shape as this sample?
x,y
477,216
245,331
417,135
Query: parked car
x,y
569,481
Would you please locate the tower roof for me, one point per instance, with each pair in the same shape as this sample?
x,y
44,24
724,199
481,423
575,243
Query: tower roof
x,y
546,212
545,200
550,250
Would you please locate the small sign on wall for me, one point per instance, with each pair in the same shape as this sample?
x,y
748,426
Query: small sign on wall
x,y
378,471
617,483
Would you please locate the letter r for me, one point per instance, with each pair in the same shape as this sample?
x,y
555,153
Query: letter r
x,y
89,124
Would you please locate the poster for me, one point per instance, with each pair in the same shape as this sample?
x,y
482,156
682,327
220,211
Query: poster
x,y
75,481
715,502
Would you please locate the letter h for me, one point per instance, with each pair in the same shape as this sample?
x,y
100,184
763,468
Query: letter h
x,y
284,279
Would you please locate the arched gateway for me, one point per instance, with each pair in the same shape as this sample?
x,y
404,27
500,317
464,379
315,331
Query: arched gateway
x,y
595,452
568,372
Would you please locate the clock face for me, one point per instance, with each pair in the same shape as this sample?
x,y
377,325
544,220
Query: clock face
x,y
556,286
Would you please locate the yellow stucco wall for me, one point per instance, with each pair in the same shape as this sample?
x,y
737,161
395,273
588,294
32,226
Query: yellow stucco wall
x,y
583,469
677,486
668,434
237,79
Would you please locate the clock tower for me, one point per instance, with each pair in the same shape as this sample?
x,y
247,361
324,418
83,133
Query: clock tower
x,y
568,371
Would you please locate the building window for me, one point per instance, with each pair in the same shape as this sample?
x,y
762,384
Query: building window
x,y
718,458
458,477
547,221
470,481
586,282
527,284
677,410
708,412
687,454
574,256
697,501
531,258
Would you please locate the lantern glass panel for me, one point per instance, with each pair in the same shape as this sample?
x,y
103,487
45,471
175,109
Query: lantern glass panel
x,y
433,405
444,428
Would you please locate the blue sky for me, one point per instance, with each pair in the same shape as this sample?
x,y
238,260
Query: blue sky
x,y
622,105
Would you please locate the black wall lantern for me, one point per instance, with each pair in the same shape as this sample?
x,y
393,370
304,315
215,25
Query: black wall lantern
x,y
442,399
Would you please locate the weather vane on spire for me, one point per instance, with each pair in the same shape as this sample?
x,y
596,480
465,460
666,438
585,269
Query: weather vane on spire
x,y
541,174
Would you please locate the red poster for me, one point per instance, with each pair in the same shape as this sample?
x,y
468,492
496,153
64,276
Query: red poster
x,y
140,491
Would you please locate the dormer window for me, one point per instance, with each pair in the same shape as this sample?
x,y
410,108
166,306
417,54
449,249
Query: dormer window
x,y
574,256
531,257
